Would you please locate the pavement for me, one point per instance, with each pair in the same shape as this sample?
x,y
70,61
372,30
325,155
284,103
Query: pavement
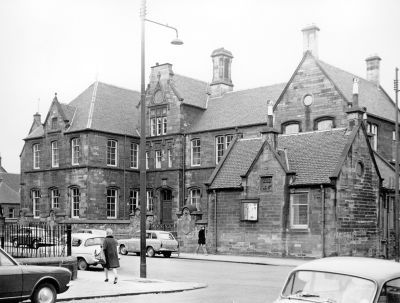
x,y
91,285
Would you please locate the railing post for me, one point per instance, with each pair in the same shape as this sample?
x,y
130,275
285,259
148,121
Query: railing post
x,y
2,230
69,231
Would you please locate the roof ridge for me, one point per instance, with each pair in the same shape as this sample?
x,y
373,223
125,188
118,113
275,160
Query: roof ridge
x,y
253,88
314,132
344,71
116,86
91,109
180,75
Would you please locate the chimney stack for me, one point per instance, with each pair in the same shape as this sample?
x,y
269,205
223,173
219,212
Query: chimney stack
x,y
355,92
373,68
270,114
37,119
310,39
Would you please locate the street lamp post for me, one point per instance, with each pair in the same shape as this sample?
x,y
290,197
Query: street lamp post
x,y
396,179
142,149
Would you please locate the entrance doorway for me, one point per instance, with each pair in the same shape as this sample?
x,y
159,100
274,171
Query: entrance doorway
x,y
166,206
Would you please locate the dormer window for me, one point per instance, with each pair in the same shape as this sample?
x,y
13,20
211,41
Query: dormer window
x,y
54,123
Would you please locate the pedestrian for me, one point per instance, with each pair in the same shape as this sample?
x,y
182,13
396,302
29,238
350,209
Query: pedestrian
x,y
202,241
110,255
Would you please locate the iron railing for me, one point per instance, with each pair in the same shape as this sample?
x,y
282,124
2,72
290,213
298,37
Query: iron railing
x,y
35,240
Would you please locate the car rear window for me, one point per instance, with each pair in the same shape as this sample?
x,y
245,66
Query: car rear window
x,y
165,236
94,241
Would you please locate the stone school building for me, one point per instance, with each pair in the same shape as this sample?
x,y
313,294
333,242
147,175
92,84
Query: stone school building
x,y
303,168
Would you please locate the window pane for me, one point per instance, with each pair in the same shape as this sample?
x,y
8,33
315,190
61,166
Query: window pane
x,y
220,145
54,154
196,152
134,155
75,202
36,155
111,203
195,198
324,124
299,210
112,152
75,146
292,128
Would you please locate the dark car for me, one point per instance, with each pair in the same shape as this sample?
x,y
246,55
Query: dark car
x,y
40,284
32,237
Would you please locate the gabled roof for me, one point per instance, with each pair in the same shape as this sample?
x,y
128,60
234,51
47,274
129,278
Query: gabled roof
x,y
371,96
12,180
236,164
36,133
9,188
194,92
107,108
312,156
238,108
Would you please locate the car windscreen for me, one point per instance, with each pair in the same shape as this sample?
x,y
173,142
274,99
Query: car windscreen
x,y
331,287
165,236
94,241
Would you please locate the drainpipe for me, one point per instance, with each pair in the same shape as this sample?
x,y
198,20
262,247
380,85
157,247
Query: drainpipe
x,y
183,169
215,219
124,163
323,220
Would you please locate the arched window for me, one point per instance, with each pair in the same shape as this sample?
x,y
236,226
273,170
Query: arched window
x,y
35,196
75,200
291,127
324,123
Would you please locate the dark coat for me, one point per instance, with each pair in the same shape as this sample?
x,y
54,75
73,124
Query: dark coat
x,y
202,237
110,252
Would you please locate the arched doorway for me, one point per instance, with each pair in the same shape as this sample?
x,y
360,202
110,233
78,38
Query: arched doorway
x,y
166,206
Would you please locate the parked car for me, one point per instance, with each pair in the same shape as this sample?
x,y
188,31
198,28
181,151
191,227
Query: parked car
x,y
92,231
40,284
33,237
84,246
157,242
343,280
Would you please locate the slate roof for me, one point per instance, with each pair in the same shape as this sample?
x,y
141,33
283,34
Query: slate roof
x,y
194,92
236,164
107,108
311,155
370,95
237,108
9,188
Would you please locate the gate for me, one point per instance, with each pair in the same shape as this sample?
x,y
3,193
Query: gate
x,y
35,240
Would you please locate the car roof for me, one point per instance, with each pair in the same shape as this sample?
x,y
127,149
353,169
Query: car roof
x,y
369,268
84,236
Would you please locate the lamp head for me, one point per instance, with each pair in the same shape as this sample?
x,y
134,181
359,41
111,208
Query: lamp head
x,y
177,42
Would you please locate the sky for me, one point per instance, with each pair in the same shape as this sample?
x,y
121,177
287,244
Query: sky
x,y
63,46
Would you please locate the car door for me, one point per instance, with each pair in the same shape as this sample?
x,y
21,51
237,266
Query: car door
x,y
134,243
10,278
168,241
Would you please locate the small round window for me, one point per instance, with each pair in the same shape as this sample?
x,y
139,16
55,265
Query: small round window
x,y
308,100
360,169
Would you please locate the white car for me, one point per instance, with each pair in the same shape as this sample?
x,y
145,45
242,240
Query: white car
x,y
157,242
343,280
84,246
99,232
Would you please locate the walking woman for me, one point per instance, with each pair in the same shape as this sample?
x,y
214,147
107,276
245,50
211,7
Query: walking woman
x,y
111,255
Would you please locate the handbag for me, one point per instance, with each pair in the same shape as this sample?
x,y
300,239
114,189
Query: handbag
x,y
100,257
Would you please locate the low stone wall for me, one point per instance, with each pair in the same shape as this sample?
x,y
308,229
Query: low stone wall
x,y
70,263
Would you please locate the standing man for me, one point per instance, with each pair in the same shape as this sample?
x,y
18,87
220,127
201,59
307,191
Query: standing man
x,y
202,241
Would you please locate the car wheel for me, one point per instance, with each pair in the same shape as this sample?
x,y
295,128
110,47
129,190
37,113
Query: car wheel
x,y
15,243
150,252
82,264
167,254
123,250
44,293
35,244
